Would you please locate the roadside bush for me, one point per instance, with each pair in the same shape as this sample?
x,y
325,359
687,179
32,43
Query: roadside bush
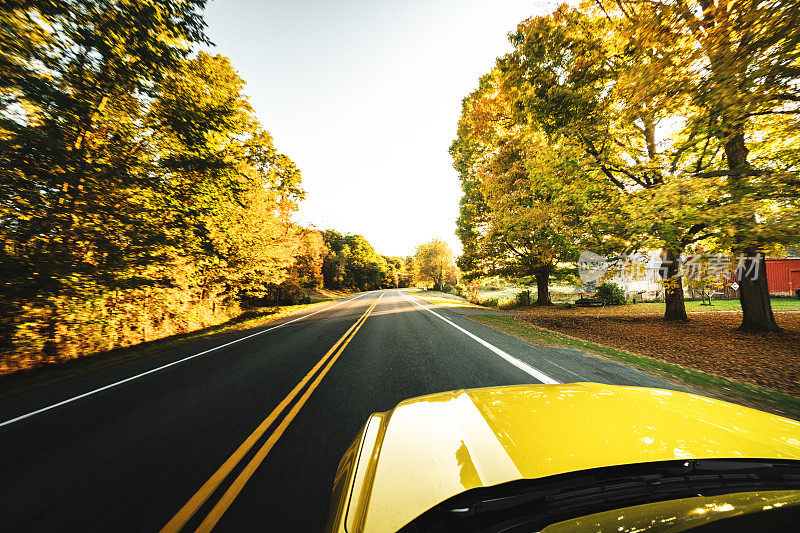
x,y
447,289
524,298
490,302
460,290
610,293
507,303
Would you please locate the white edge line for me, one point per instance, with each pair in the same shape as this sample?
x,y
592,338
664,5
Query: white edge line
x,y
544,378
162,367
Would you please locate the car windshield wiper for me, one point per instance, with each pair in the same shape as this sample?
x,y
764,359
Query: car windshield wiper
x,y
555,498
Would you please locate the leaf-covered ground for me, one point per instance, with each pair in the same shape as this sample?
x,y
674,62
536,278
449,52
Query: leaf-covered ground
x,y
709,342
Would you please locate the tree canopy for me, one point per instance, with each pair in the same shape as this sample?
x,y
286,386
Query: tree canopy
x,y
530,202
434,264
352,263
670,104
139,195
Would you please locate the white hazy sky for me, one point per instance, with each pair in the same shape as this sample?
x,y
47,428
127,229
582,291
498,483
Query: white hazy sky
x,y
365,97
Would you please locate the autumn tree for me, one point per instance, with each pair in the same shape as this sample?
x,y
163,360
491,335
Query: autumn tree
x,y
667,100
139,195
742,79
73,148
434,263
530,202
77,77
395,272
352,263
591,79
309,258
227,191
407,277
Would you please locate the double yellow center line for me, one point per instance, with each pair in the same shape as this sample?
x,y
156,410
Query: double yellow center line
x,y
208,488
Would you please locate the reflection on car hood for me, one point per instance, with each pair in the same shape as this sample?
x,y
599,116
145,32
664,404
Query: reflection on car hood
x,y
681,514
433,447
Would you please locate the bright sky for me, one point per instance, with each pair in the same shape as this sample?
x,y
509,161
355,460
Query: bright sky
x,y
365,97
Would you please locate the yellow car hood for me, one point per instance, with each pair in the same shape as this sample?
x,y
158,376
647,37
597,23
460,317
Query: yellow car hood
x,y
433,447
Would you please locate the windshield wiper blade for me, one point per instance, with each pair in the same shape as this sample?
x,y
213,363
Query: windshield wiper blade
x,y
692,476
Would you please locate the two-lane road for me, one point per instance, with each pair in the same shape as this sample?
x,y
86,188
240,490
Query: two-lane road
x,y
245,431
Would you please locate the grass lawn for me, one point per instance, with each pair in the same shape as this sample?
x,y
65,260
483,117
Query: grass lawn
x,y
693,306
442,298
501,293
778,304
705,383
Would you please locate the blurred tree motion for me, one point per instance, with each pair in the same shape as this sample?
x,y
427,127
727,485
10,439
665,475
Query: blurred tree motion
x,y
740,73
688,110
139,195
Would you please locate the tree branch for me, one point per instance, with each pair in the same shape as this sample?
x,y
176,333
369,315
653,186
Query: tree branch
x,y
791,112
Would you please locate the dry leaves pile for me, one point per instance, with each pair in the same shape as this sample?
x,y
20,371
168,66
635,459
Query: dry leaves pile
x,y
709,342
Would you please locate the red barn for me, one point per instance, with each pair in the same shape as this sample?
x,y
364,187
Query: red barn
x,y
783,275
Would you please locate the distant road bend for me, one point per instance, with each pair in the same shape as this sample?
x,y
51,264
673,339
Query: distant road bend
x,y
245,431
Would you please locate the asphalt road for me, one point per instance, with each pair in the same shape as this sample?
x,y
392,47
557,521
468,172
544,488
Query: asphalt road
x,y
131,456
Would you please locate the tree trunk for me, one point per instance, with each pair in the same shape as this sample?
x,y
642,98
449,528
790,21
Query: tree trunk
x,y
543,286
753,289
754,294
673,288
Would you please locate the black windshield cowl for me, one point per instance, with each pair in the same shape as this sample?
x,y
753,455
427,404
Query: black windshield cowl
x,y
532,504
